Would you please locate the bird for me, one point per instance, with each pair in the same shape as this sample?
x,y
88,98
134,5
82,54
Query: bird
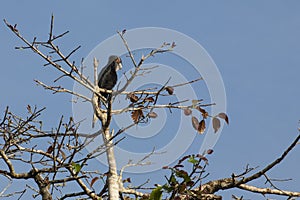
x,y
108,77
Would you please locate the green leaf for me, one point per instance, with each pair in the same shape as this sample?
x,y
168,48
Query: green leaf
x,y
192,160
183,174
173,180
156,193
168,188
76,167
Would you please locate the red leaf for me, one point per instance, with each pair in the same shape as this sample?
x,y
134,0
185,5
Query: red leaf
x,y
201,127
224,116
170,90
94,180
216,124
195,123
187,111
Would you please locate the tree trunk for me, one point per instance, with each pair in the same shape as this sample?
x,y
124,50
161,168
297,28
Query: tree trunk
x,y
113,184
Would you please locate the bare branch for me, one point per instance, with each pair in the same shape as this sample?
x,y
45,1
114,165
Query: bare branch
x,y
264,191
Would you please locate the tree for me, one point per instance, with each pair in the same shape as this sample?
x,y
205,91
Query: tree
x,y
63,161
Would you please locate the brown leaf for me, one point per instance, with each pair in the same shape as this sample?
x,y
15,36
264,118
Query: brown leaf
x,y
205,115
202,157
173,44
195,123
201,127
170,90
93,181
29,109
127,180
209,151
187,111
178,166
216,124
203,112
152,114
149,99
50,149
224,116
133,98
136,115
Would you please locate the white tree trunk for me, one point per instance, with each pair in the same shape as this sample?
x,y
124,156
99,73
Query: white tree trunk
x,y
113,184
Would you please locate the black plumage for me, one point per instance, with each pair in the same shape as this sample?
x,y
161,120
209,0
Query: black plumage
x,y
108,77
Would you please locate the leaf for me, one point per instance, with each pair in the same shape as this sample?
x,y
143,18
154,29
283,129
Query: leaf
x,y
173,180
205,115
152,114
136,115
187,111
156,193
50,149
133,98
170,90
201,127
168,188
195,123
127,180
76,167
178,166
202,158
182,187
183,159
203,112
149,99
173,45
183,174
216,124
224,116
192,160
209,151
29,109
94,180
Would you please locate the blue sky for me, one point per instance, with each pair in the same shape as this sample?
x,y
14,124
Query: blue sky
x,y
255,45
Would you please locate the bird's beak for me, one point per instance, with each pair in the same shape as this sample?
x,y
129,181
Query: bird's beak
x,y
119,66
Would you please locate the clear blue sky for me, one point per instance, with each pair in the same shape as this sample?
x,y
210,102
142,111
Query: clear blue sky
x,y
255,44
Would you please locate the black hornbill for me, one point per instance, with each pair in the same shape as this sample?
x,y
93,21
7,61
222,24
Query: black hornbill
x,y
108,77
